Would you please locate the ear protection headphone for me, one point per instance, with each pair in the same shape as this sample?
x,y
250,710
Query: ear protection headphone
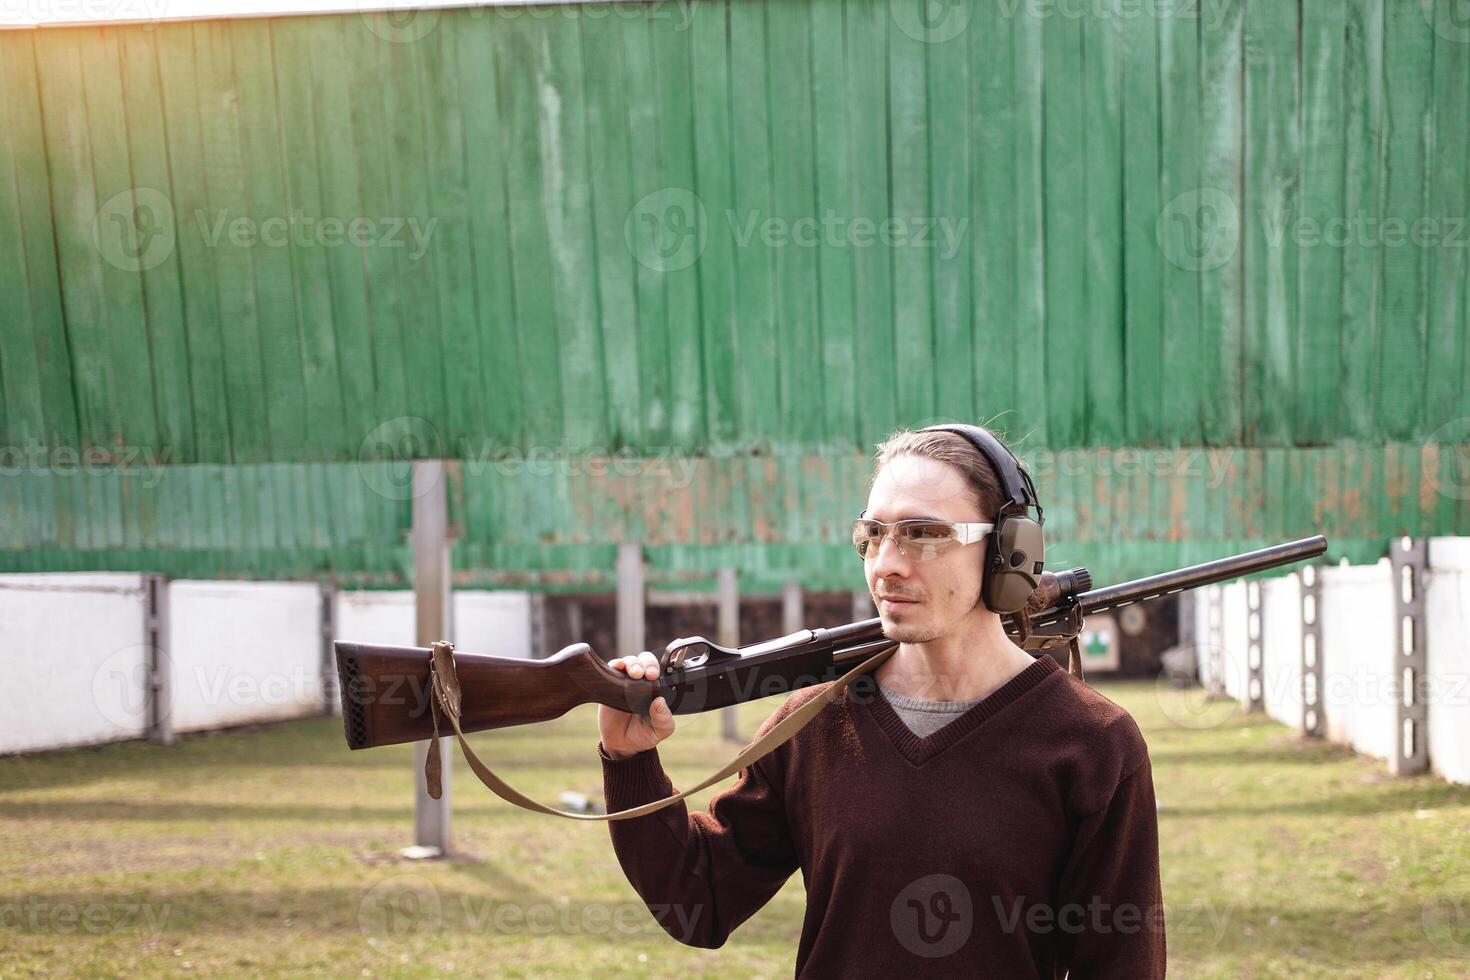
x,y
1016,553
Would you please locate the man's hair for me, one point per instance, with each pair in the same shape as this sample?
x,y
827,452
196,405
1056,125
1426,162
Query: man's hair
x,y
947,447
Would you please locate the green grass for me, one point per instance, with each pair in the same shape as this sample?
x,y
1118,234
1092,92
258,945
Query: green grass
x,y
272,851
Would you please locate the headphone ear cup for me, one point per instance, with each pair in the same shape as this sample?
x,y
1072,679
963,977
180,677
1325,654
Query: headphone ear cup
x,y
1013,569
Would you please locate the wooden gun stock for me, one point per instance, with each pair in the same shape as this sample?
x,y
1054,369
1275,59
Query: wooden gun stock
x,y
385,690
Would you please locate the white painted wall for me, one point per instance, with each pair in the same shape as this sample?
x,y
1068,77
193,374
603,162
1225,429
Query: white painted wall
x,y
71,646
497,623
1234,639
1281,648
1357,656
1447,610
244,652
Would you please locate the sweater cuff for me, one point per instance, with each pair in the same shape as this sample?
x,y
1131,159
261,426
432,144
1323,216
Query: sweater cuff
x,y
631,782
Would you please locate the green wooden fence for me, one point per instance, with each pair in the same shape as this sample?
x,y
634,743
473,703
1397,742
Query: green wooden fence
x,y
727,230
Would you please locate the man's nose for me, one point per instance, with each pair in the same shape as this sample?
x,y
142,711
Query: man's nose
x,y
890,560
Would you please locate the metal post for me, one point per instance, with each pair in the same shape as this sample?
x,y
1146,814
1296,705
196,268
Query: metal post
x,y
630,600
1216,611
729,630
331,703
1410,558
791,607
574,621
538,626
160,725
1255,689
1314,719
431,590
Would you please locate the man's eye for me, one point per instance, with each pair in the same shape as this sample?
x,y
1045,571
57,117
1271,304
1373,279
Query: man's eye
x,y
928,533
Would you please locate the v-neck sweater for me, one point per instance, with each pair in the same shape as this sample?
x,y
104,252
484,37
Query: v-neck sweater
x,y
1018,841
922,715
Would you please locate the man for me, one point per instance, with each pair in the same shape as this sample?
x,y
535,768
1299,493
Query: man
x,y
977,813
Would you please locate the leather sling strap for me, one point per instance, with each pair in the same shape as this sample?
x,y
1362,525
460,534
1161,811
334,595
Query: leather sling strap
x,y
446,699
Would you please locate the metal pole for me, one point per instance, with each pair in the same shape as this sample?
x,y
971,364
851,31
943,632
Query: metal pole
x,y
1410,558
791,608
431,589
630,600
1314,720
160,724
331,703
1255,647
729,630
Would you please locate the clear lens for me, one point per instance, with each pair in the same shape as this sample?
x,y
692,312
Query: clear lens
x,y
917,540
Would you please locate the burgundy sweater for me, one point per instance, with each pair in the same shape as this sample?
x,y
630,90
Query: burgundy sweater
x,y
1020,840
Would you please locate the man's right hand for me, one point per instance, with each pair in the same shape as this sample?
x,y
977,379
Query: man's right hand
x,y
624,735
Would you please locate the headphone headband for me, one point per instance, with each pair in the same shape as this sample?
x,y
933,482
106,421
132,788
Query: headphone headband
x,y
1014,480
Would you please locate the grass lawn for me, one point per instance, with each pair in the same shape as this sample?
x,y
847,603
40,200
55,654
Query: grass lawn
x,y
271,851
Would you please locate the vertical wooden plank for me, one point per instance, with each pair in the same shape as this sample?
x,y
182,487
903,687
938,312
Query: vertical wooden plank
x,y
283,425
1067,315
231,253
1408,73
294,42
865,41
1445,395
999,244
913,272
835,199
123,313
1211,218
181,109
390,319
35,244
1272,163
1028,68
674,79
1182,364
22,410
1319,269
75,207
605,107
521,56
1142,277
341,196
444,227
1363,78
163,298
943,238
1102,328
759,349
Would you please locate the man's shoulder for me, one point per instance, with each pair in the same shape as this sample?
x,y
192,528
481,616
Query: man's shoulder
x,y
1098,724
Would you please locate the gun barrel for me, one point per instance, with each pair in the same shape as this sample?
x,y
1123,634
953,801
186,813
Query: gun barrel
x,y
1192,577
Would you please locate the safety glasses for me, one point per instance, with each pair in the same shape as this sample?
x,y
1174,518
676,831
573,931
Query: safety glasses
x,y
919,540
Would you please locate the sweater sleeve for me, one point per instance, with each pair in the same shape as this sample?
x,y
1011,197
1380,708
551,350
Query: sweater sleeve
x,y
700,875
1110,910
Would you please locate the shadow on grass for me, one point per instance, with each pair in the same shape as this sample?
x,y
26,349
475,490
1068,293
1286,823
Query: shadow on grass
x,y
1356,802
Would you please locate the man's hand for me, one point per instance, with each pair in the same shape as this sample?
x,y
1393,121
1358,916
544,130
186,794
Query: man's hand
x,y
624,735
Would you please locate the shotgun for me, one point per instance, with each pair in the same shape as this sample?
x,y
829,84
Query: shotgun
x,y
386,690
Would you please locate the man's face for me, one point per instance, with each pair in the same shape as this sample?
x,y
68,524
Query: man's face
x,y
945,590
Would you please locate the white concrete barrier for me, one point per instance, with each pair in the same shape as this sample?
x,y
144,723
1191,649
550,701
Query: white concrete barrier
x,y
1357,657
1447,599
1281,648
72,649
243,652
